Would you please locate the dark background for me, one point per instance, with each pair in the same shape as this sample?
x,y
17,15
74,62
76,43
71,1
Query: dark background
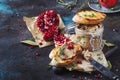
x,y
19,61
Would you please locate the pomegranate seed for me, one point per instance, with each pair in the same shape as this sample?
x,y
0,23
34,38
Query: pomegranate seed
x,y
20,24
68,40
40,43
98,76
31,47
74,76
37,54
70,47
81,78
79,62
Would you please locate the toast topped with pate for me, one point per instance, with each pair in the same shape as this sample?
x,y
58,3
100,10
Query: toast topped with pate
x,y
65,54
89,17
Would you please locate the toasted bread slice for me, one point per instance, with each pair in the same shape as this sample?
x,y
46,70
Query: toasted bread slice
x,y
62,56
89,17
37,34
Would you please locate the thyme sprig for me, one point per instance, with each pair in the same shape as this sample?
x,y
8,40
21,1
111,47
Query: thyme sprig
x,y
84,4
109,44
68,5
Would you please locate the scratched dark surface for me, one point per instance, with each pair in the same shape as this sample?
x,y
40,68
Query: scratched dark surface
x,y
19,62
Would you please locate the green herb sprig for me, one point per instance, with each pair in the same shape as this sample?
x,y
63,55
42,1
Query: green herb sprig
x,y
69,6
62,51
29,42
84,4
89,15
109,44
109,65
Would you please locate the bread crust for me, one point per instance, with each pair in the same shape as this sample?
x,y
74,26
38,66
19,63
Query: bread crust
x,y
89,17
57,61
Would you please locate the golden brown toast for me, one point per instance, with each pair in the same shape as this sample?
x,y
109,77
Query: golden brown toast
x,y
89,17
62,56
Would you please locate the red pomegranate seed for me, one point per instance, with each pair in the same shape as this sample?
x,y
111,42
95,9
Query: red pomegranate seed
x,y
31,47
70,47
20,24
37,54
81,78
74,76
79,62
68,40
40,43
98,76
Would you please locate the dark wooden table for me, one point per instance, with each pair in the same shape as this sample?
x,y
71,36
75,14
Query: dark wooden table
x,y
19,62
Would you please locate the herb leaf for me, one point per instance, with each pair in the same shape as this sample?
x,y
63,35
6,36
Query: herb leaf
x,y
109,44
68,5
84,4
109,65
100,58
89,15
49,67
62,51
29,42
